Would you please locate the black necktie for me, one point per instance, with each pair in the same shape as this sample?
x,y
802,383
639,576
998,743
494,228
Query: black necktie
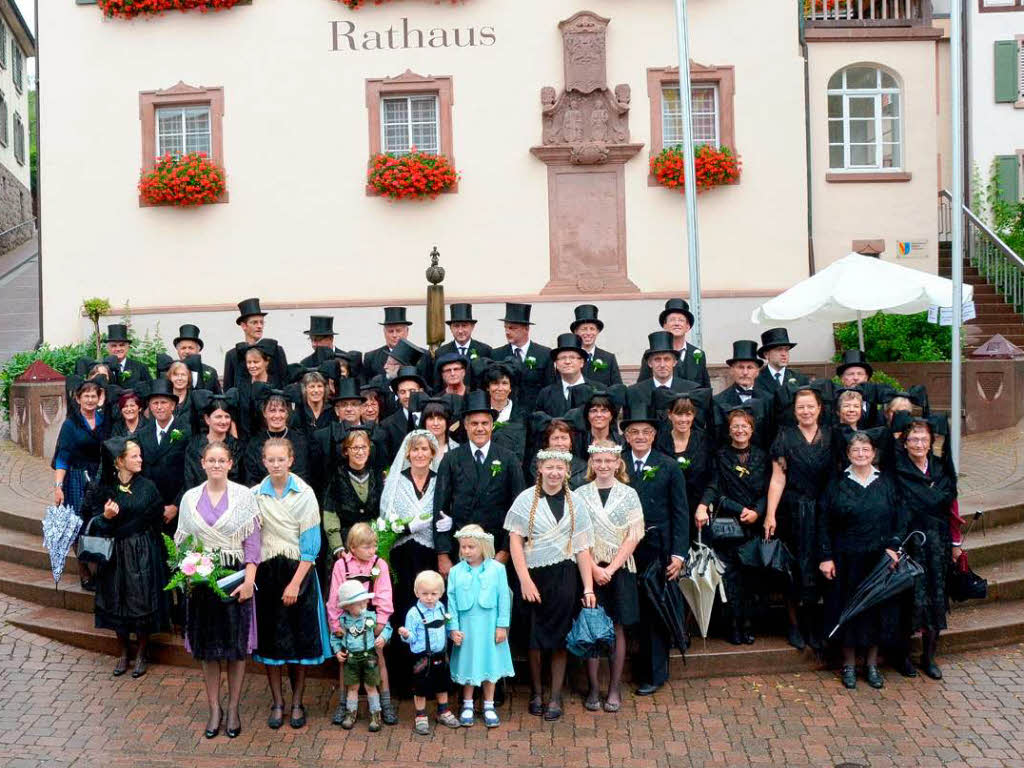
x,y
412,422
639,466
744,392
778,377
462,351
519,354
479,457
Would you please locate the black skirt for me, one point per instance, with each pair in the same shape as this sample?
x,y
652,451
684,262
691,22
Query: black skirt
x,y
797,520
619,598
551,619
130,593
287,632
930,599
215,629
876,626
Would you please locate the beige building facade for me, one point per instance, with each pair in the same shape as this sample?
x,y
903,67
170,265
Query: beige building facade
x,y
293,98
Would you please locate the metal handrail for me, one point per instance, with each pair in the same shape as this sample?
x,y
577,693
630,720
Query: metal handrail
x,y
995,260
18,226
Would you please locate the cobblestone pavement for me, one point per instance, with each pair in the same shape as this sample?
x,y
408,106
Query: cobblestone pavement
x,y
59,706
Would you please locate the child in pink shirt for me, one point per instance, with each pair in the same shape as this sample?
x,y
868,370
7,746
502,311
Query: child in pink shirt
x,y
360,563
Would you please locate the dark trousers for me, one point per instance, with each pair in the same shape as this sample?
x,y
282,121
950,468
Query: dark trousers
x,y
650,663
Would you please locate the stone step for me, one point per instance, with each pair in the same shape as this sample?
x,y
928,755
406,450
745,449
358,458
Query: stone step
x,y
27,549
988,328
35,585
999,545
1005,580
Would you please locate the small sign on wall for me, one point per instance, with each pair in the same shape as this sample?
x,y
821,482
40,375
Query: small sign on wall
x,y
911,249
944,315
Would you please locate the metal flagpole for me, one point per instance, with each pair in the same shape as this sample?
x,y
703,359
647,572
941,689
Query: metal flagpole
x,y
956,86
689,169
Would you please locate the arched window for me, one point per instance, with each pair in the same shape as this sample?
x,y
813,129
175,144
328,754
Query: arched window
x,y
865,120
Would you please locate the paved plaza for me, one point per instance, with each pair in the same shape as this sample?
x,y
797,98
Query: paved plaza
x,y
59,706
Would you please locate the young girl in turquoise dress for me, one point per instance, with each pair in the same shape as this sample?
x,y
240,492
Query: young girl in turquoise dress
x,y
480,603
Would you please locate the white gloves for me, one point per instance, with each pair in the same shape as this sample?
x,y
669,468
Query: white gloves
x,y
444,523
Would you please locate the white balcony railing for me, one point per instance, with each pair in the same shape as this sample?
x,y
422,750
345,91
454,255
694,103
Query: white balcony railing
x,y
868,12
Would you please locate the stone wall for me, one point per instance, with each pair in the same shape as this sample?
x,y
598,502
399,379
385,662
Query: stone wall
x,y
15,207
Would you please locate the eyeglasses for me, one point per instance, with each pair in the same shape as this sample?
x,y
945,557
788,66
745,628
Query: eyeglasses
x,y
917,440
216,462
359,448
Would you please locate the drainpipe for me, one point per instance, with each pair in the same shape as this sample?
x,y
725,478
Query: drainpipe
x,y
807,140
39,179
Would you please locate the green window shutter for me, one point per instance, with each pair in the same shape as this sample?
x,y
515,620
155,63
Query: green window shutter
x,y
1006,58
1008,177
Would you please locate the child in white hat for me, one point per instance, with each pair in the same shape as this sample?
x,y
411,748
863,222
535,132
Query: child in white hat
x,y
353,644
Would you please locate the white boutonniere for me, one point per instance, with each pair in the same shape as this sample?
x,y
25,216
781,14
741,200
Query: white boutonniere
x,y
176,435
792,380
447,616
684,463
126,373
650,472
370,623
530,362
473,354
375,572
496,468
207,375
598,364
698,354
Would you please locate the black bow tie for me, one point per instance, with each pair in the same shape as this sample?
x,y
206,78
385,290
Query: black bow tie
x,y
747,392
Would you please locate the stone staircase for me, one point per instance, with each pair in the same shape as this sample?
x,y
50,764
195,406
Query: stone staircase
x,y
994,315
64,612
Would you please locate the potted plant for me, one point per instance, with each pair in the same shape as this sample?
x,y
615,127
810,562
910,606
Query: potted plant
x,y
715,166
185,180
129,9
411,176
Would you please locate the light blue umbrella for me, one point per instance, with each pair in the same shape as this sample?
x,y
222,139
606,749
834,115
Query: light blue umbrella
x,y
60,528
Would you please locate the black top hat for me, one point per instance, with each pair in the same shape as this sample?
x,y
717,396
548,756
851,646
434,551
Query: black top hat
x,y
638,411
461,313
407,373
660,341
117,332
586,313
676,305
568,342
160,388
248,308
348,389
406,353
188,333
517,313
478,401
854,357
448,358
744,349
395,316
320,325
774,337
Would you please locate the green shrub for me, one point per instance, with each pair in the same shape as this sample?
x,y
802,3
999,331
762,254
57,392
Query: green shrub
x,y
879,377
896,338
59,358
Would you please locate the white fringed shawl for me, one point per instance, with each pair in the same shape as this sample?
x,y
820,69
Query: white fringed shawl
x,y
618,521
228,534
553,541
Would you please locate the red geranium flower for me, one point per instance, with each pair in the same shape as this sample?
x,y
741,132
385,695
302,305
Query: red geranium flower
x,y
714,166
414,175
191,179
127,9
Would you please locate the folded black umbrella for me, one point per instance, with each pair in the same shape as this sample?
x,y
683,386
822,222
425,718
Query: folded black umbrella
x,y
772,555
668,603
884,582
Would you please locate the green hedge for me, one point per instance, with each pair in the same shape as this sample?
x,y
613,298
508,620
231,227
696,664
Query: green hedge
x,y
897,338
63,359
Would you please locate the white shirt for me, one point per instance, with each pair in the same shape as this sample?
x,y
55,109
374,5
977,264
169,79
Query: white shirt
x,y
590,352
779,375
485,448
524,350
566,385
161,432
642,459
505,413
864,483
463,350
667,384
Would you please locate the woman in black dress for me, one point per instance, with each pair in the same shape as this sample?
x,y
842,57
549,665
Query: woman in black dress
x,y
689,445
739,483
276,411
353,492
557,435
128,419
498,380
598,419
861,520
128,508
181,381
802,465
313,411
927,488
217,419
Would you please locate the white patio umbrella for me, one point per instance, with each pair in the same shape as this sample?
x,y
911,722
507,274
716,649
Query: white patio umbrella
x,y
855,287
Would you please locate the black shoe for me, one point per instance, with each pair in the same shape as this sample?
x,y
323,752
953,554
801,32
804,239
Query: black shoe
x,y
735,637
553,711
388,713
795,638
647,689
276,719
89,585
211,733
849,677
536,705
873,676
906,667
298,722
499,694
140,667
121,667
748,637
930,668
233,732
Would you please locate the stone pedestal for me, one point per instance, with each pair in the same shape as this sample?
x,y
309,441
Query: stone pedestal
x,y
585,135
38,407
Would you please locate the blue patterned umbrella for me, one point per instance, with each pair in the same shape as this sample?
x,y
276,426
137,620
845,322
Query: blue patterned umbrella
x,y
60,528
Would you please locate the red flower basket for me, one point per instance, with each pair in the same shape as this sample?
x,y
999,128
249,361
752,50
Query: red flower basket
x,y
191,179
412,176
715,166
127,9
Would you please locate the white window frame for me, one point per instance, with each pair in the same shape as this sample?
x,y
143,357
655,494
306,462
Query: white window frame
x,y
182,108
19,133
713,87
876,93
409,98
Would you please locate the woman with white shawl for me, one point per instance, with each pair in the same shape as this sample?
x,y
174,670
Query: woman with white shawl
x,y
407,509
618,521
222,516
550,536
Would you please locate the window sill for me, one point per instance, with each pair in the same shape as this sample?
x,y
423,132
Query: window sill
x,y
144,204
868,177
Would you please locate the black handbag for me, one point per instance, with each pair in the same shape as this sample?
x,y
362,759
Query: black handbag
x,y
94,549
963,583
726,530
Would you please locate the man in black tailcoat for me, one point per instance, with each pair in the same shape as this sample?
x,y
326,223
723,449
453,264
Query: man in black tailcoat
x,y
462,325
743,368
569,357
534,359
601,365
396,328
661,361
189,347
251,320
125,372
677,319
163,442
